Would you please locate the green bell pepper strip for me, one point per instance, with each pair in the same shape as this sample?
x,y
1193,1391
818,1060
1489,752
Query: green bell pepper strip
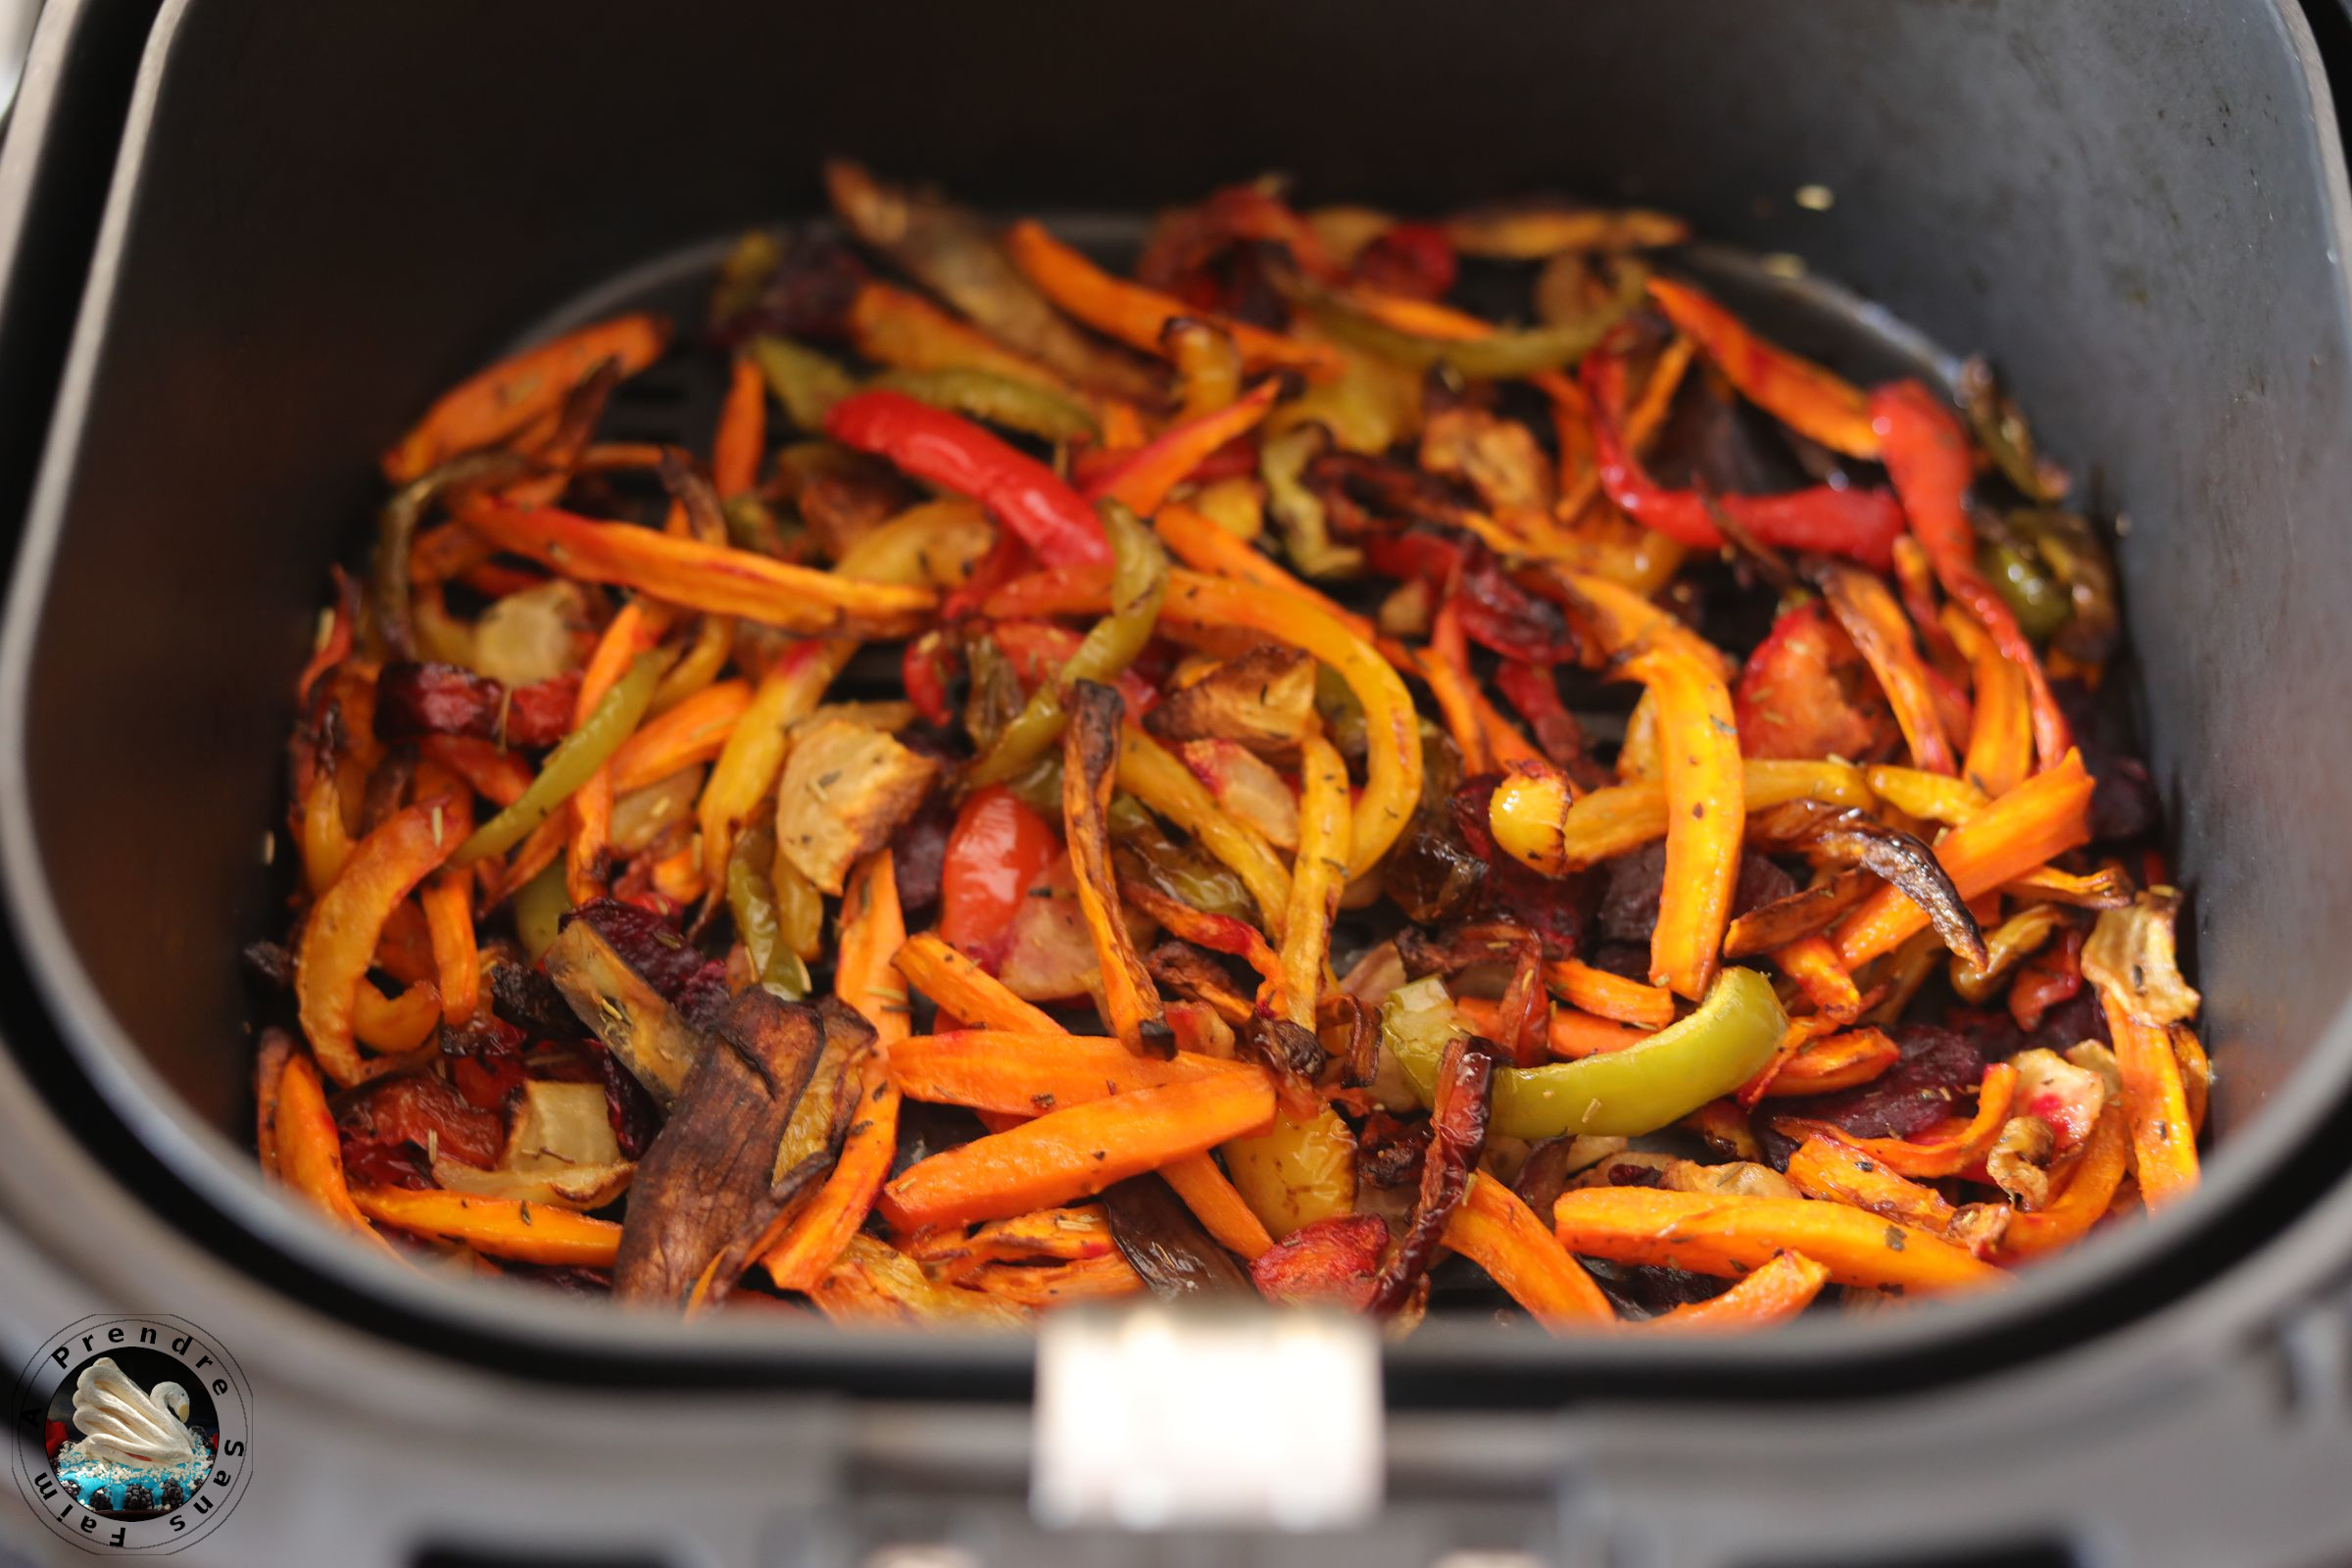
x,y
2039,604
573,761
1021,405
808,383
1505,356
1138,582
539,907
1618,1093
752,900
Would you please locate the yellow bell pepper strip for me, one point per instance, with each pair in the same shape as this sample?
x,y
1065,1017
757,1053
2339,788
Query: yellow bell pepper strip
x,y
1810,400
502,1227
574,760
1075,1153
2043,817
1496,1229
1317,875
1710,1233
1705,816
1870,616
1014,403
626,638
1208,367
752,757
1143,479
1139,317
339,938
1393,764
1540,820
310,1153
1619,1094
2129,959
1160,781
2000,737
712,578
1139,583
1295,1172
1089,759
906,332
1930,797
1927,454
751,901
1774,1294
500,402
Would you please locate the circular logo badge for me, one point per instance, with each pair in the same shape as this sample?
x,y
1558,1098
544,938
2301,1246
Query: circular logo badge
x,y
134,1434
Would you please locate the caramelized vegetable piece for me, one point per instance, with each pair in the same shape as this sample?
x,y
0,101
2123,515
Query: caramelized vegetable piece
x,y
1088,756
1775,1292
507,398
1166,1246
1330,1262
339,939
1457,1133
500,1227
1077,1152
1732,1237
1947,1152
875,1283
1705,816
845,790
2129,959
1838,1172
310,1154
1263,700
1800,394
1496,1230
1029,1074
1876,622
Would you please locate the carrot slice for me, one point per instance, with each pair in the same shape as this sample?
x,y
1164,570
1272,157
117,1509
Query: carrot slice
x,y
901,328
1029,1074
2091,1188
310,1153
1705,817
1731,1236
2164,1143
962,987
503,1227
1951,1150
1774,1294
339,939
1870,615
1494,1229
1835,1061
1610,995
1141,481
1138,317
490,770
742,431
1814,965
448,901
1217,1205
501,401
1090,756
695,731
624,637
1040,1285
1074,1154
1814,402
714,579
2047,815
1318,876
1835,1172
2000,738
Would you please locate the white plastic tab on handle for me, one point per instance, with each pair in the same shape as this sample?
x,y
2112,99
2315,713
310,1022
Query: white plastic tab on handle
x,y
1151,1419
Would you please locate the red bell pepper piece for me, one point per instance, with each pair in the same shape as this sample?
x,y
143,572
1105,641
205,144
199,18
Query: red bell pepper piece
x,y
1862,525
997,851
1927,454
952,451
922,671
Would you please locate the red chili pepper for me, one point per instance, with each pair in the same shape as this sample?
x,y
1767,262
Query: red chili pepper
x,y
997,851
2051,976
922,670
1927,454
1862,525
951,450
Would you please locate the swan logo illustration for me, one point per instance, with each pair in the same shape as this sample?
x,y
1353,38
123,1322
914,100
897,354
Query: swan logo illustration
x,y
134,1434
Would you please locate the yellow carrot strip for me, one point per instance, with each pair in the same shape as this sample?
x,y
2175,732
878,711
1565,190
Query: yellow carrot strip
x,y
1217,1205
1318,876
1610,995
2042,818
1148,773
1392,768
1731,1236
1139,317
503,400
502,1227
1809,399
2164,1144
1705,817
1207,548
1496,1230
742,431
753,758
694,732
1774,1294
448,901
1073,1154
310,1153
2000,738
962,988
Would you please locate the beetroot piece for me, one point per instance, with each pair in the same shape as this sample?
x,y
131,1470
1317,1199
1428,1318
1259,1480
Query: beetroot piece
x,y
423,1109
1938,1071
628,1106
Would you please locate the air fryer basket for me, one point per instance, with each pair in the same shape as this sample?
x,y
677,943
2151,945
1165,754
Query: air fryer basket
x,y
322,214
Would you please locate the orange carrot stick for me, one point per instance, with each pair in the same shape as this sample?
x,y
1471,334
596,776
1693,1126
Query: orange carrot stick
x,y
1814,965
1774,1294
503,1227
1947,1152
1610,995
1870,615
1030,1074
493,772
497,402
1835,1172
906,332
2000,739
1805,397
742,431
1496,1230
448,901
625,637
2163,1145
1204,547
1835,1061
694,732
2091,1187
310,1153
1142,480
712,578
1076,1152
1217,1205
2042,818
962,987
1138,317
339,939
1731,1236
